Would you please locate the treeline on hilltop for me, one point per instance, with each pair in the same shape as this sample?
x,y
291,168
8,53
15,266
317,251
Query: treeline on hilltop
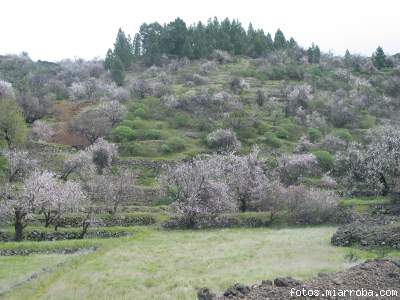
x,y
195,42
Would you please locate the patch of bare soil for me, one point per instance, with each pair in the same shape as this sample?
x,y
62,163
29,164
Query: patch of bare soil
x,y
364,281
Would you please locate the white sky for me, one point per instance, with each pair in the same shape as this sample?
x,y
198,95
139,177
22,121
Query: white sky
x,y
57,29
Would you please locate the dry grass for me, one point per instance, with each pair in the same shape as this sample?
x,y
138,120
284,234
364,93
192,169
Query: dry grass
x,y
171,265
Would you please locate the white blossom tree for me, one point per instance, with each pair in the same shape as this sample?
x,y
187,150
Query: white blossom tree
x,y
113,189
98,157
19,164
376,167
293,167
102,153
223,140
245,178
198,189
113,110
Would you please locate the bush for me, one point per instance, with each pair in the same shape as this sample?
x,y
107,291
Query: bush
x,y
311,206
271,140
181,120
151,134
127,123
325,160
141,113
367,121
223,140
314,134
174,145
122,133
166,149
135,149
344,134
138,124
282,133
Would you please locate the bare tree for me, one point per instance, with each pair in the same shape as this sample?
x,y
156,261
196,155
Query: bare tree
x,y
91,124
114,190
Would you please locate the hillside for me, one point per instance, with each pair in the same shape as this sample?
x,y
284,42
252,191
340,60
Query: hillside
x,y
195,128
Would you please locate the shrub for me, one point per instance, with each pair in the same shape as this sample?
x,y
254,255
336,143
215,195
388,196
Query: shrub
x,y
135,149
138,124
282,133
221,56
176,144
141,113
271,140
127,123
151,134
237,85
311,206
223,140
314,134
122,133
325,160
344,134
180,120
196,79
367,121
166,149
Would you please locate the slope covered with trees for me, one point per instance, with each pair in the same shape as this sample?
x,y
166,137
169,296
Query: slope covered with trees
x,y
195,126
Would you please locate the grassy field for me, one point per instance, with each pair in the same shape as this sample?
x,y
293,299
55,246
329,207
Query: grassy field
x,y
172,264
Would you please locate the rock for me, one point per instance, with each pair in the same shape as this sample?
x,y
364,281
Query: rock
x,y
205,294
266,282
237,290
286,281
337,281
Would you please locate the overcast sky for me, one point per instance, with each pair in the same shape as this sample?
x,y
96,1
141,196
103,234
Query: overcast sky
x,y
57,29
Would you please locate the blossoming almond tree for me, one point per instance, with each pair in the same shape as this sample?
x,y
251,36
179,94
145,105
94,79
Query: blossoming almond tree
x,y
198,189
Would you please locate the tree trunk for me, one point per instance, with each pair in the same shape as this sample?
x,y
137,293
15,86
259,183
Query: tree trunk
x,y
19,226
46,220
386,188
85,227
242,204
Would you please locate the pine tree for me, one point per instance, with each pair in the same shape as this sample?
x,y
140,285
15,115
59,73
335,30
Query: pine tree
x,y
279,40
379,58
117,71
123,49
200,44
317,55
109,59
151,42
174,37
269,42
137,45
347,58
310,54
314,54
292,43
